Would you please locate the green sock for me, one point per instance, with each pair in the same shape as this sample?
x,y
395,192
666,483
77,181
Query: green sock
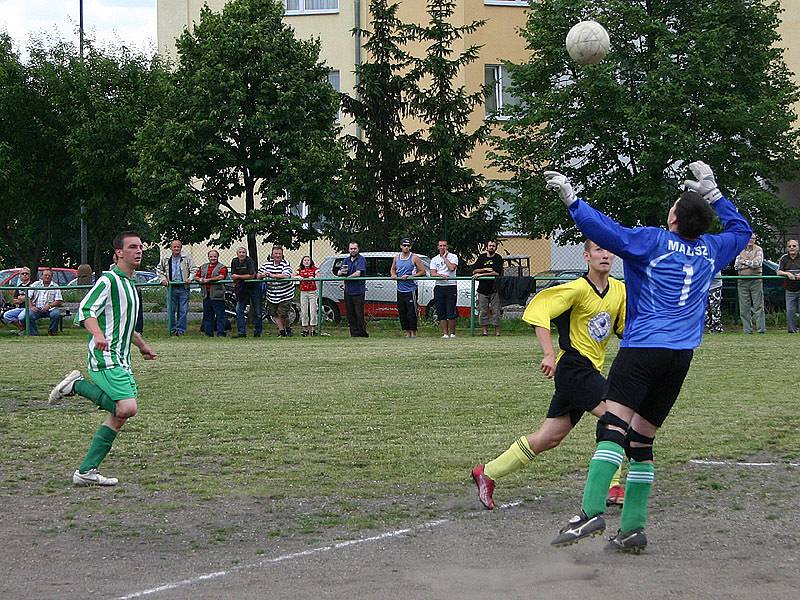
x,y
101,444
637,491
515,458
606,460
89,390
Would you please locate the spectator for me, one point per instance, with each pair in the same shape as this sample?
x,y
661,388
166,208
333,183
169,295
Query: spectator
x,y
489,264
12,315
714,305
751,291
213,294
789,267
355,265
85,275
405,265
243,268
177,269
44,303
280,289
445,293
309,300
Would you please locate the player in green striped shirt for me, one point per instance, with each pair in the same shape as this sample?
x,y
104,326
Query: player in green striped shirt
x,y
108,313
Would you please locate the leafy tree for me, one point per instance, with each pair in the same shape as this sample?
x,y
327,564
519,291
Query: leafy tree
x,y
252,115
685,80
453,202
113,93
66,136
39,208
381,169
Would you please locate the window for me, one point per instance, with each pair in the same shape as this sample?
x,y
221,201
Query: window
x,y
301,7
523,3
333,79
498,81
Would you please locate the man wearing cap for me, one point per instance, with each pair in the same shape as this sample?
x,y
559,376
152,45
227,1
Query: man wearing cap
x,y
489,264
405,265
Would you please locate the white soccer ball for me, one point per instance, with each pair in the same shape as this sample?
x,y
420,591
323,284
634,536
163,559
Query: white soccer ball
x,y
588,43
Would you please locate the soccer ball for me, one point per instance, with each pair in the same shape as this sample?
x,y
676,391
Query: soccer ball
x,y
587,43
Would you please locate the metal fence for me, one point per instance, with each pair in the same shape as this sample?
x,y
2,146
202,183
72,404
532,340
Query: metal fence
x,y
467,287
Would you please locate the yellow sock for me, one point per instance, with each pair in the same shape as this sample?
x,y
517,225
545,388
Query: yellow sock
x,y
615,478
518,455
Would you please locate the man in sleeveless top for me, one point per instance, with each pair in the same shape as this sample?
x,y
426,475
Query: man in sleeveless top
x,y
405,265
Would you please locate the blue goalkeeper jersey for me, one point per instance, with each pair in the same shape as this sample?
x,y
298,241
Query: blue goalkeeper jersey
x,y
666,276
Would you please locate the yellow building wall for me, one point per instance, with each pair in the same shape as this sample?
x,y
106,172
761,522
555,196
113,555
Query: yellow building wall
x,y
500,41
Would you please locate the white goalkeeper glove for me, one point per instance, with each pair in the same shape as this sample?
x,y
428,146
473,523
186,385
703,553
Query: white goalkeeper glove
x,y
558,182
705,185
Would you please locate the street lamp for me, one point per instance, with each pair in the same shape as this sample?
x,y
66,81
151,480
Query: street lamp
x,y
84,230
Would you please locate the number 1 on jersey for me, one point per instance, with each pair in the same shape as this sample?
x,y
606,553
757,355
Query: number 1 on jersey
x,y
687,283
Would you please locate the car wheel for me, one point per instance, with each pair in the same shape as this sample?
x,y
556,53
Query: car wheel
x,y
330,312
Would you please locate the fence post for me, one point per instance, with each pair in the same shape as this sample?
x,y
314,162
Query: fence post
x,y
169,306
320,315
472,307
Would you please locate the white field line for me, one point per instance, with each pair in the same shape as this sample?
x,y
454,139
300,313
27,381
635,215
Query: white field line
x,y
293,556
697,461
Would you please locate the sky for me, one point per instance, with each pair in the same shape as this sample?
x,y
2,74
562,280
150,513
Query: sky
x,y
108,22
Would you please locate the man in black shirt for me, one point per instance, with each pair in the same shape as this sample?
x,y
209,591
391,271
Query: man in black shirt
x,y
489,264
789,267
247,292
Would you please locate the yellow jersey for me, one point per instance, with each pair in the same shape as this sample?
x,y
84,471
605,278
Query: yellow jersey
x,y
584,316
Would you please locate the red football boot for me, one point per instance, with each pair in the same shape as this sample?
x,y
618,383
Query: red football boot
x,y
485,486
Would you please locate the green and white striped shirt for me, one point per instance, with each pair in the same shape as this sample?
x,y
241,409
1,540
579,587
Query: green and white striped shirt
x,y
113,301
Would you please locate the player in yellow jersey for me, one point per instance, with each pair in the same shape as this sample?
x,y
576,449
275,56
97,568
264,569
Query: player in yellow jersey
x,y
586,312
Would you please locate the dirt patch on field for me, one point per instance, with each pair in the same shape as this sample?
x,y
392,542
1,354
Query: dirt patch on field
x,y
717,531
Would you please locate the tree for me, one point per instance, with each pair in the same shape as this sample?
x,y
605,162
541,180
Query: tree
x,y
66,131
252,115
113,92
452,200
685,80
381,170
38,205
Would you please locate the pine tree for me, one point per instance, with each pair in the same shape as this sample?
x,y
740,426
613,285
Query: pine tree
x,y
452,198
380,170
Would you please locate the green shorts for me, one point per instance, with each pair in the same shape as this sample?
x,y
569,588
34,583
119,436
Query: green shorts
x,y
116,382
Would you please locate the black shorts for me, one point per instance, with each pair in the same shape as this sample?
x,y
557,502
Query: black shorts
x,y
446,297
579,388
648,380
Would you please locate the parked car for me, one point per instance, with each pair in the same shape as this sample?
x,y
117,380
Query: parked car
x,y
141,277
61,276
548,279
774,298
380,301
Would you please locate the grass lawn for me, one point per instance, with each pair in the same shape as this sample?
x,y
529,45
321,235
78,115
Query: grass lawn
x,y
365,419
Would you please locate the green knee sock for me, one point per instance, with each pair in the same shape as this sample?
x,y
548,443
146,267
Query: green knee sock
x,y
637,492
606,460
89,390
101,444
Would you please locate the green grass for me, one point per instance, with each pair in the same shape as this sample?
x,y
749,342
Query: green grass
x,y
358,420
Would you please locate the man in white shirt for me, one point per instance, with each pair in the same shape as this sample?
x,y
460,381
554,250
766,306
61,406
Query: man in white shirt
x,y
444,266
44,303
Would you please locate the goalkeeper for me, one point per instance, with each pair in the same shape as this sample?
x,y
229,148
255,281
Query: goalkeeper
x,y
668,274
586,312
